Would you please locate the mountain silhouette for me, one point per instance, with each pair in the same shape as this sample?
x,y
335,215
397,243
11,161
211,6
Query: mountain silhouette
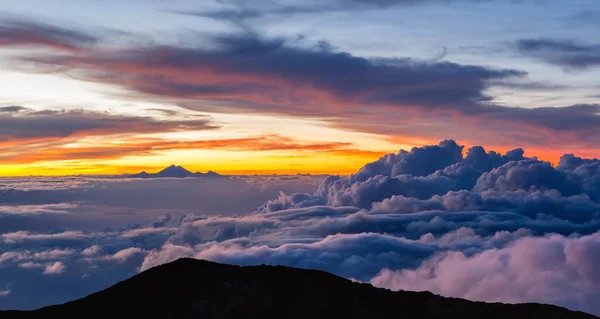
x,y
190,288
174,171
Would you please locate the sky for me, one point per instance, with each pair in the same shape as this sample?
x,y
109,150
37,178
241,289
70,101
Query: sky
x,y
245,87
441,145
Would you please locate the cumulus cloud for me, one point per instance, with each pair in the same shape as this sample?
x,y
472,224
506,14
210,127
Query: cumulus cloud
x,y
429,218
162,221
92,251
55,268
125,254
414,208
5,292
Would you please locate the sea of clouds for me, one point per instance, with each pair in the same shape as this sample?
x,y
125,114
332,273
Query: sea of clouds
x,y
485,226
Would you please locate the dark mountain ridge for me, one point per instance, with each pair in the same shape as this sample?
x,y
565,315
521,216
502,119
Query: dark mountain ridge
x,y
174,171
190,288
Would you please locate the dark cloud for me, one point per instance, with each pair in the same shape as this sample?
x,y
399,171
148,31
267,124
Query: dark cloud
x,y
22,123
420,161
248,73
34,34
241,59
564,53
12,109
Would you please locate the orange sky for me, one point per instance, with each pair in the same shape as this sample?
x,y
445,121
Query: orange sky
x,y
259,155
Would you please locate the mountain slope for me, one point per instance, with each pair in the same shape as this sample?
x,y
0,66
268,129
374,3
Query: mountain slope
x,y
189,288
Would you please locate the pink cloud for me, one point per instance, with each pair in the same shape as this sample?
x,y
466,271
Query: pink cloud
x,y
552,269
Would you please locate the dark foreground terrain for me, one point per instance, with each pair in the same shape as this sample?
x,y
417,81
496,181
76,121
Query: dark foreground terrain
x,y
189,288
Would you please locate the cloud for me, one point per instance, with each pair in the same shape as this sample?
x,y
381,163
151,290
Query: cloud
x,y
22,33
92,251
22,123
239,11
250,73
24,255
63,208
41,204
12,109
125,254
563,53
354,225
162,221
54,268
247,63
31,265
426,218
22,236
554,269
30,136
4,292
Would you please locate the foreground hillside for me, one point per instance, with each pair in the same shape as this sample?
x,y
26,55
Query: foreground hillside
x,y
189,288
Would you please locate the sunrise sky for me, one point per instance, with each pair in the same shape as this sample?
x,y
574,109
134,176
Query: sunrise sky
x,y
244,87
434,132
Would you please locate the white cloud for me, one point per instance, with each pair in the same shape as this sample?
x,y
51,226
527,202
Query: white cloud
x,y
31,265
92,251
54,268
125,254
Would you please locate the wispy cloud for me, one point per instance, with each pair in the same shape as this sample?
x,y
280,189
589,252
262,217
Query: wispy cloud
x,y
21,33
57,149
564,53
5,292
18,123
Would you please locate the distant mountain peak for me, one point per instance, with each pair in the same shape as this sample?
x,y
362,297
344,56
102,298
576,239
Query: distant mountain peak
x,y
174,171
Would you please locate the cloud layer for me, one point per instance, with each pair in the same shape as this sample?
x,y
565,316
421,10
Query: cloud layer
x,y
485,226
251,73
